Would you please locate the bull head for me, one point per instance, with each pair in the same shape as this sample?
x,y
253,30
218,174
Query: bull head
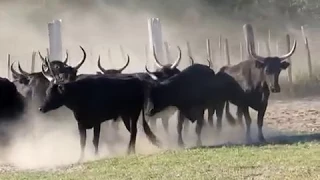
x,y
44,62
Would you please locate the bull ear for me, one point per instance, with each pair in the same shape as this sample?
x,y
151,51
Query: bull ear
x,y
284,65
259,64
61,88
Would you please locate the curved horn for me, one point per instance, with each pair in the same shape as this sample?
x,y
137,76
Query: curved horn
x,y
177,62
100,67
67,57
147,70
156,59
83,59
191,60
14,72
42,58
45,75
282,58
150,73
210,63
22,71
125,66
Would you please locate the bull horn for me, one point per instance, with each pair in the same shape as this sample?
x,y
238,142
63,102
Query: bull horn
x,y
191,60
156,59
150,73
177,62
100,67
83,59
14,72
282,58
42,58
210,63
249,37
125,66
49,78
52,75
67,57
22,71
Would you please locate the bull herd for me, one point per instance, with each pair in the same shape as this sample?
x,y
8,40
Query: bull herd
x,y
111,94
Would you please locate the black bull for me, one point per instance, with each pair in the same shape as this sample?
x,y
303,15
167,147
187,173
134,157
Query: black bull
x,y
12,107
97,98
192,91
162,72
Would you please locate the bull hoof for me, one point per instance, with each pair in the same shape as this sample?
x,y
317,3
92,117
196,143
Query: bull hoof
x,y
249,139
262,139
181,144
199,143
80,161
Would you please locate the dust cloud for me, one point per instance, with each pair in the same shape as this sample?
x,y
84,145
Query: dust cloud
x,y
101,25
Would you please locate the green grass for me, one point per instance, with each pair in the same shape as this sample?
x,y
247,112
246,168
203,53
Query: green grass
x,y
298,161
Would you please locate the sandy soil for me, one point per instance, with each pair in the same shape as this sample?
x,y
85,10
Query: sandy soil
x,y
55,143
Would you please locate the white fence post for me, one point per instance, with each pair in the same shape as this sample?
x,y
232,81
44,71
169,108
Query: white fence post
x,y
55,40
155,38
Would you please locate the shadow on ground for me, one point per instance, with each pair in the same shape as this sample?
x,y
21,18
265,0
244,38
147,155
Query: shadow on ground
x,y
276,140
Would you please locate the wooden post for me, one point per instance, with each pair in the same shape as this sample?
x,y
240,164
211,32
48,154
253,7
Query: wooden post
x,y
277,47
241,51
220,47
306,43
269,43
166,48
55,40
8,65
189,51
226,49
209,50
33,60
155,38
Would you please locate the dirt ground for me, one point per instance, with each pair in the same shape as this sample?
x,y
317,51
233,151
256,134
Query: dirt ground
x,y
56,143
301,115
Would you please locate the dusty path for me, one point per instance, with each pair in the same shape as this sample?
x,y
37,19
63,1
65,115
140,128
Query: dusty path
x,y
57,144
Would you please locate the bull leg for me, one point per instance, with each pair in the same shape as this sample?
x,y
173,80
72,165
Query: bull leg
x,y
210,116
186,123
261,113
115,124
133,135
240,115
165,124
248,123
83,138
153,123
96,138
219,114
150,135
127,123
199,127
181,120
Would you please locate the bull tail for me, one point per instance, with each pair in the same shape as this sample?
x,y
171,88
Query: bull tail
x,y
150,135
231,120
